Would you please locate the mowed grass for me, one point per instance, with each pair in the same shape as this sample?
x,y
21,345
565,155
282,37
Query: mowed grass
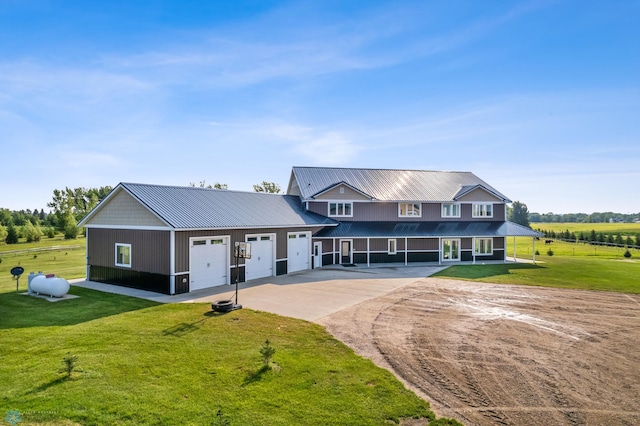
x,y
572,265
606,228
145,363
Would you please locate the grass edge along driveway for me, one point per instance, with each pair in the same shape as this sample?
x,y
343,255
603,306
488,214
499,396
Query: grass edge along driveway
x,y
144,363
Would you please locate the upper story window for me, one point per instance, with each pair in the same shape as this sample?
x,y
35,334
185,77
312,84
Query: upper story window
x,y
123,255
342,209
483,210
451,210
409,210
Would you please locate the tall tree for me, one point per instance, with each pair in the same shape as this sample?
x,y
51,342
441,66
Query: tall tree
x,y
269,187
519,213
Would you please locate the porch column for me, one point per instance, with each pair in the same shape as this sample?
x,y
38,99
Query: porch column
x,y
333,252
473,249
439,250
406,251
534,249
514,248
368,251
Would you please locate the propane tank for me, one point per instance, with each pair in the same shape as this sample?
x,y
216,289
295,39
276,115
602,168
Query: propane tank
x,y
49,285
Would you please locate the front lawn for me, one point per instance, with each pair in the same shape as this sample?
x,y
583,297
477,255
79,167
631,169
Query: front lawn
x,y
145,363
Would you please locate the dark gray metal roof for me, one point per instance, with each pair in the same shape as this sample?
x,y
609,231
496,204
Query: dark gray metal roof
x,y
391,185
517,230
203,208
424,229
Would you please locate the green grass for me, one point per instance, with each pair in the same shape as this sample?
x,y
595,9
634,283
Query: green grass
x,y
573,265
145,363
606,228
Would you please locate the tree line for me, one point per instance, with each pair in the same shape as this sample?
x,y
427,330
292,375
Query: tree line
x,y
69,206
594,237
602,217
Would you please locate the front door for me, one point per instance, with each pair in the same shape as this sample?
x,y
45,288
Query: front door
x,y
450,250
345,252
317,255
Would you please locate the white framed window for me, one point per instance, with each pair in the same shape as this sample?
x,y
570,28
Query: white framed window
x,y
482,210
484,246
409,210
392,246
341,209
450,210
123,255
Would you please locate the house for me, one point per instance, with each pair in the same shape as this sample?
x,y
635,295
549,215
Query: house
x,y
178,239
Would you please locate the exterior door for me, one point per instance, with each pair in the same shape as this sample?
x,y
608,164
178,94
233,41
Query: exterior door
x,y
450,250
345,252
317,255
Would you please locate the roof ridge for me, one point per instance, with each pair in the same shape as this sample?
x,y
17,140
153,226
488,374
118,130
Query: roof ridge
x,y
381,169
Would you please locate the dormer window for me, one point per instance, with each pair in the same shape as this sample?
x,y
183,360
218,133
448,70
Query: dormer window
x,y
450,210
341,209
409,210
483,210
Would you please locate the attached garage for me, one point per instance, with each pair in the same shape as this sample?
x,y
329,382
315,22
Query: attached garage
x,y
209,262
261,263
298,251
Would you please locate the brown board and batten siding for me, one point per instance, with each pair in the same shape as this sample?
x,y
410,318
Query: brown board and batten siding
x,y
388,212
150,258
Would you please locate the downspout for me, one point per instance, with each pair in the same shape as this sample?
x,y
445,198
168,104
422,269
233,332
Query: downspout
x,y
172,262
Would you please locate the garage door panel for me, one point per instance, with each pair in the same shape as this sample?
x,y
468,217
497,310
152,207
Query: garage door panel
x,y
298,252
209,263
261,263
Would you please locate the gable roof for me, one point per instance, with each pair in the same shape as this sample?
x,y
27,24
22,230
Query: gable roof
x,y
203,208
390,184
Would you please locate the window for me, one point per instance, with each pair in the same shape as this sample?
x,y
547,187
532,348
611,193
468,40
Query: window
x,y
451,210
340,209
123,255
483,210
392,246
409,209
484,246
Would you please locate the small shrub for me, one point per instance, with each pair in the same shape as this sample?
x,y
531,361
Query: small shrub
x,y
51,232
35,256
70,364
221,419
627,254
267,352
537,253
549,252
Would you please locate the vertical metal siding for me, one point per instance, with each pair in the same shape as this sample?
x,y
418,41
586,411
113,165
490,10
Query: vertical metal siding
x,y
150,250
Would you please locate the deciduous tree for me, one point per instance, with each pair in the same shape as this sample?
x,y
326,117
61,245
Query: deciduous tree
x,y
519,213
270,187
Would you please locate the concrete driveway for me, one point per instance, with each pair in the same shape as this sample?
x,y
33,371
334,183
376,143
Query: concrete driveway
x,y
308,295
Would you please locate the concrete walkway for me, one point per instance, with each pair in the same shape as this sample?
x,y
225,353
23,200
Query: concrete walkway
x,y
308,295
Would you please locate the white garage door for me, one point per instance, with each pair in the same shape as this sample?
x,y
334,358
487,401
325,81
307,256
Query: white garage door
x,y
298,252
208,263
261,263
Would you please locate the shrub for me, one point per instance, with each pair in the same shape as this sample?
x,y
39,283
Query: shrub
x,y
537,253
549,252
267,352
69,362
12,235
627,253
51,232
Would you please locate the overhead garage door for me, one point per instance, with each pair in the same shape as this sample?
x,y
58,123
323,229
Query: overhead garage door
x,y
298,249
261,263
208,263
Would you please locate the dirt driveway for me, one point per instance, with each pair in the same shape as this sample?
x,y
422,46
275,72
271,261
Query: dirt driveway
x,y
490,354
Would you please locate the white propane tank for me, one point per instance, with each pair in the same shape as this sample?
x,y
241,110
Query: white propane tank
x,y
50,285
31,277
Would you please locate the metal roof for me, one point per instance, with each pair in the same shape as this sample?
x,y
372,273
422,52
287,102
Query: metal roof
x,y
425,229
204,208
390,184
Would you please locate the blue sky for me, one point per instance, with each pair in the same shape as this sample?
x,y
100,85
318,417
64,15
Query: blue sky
x,y
541,99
